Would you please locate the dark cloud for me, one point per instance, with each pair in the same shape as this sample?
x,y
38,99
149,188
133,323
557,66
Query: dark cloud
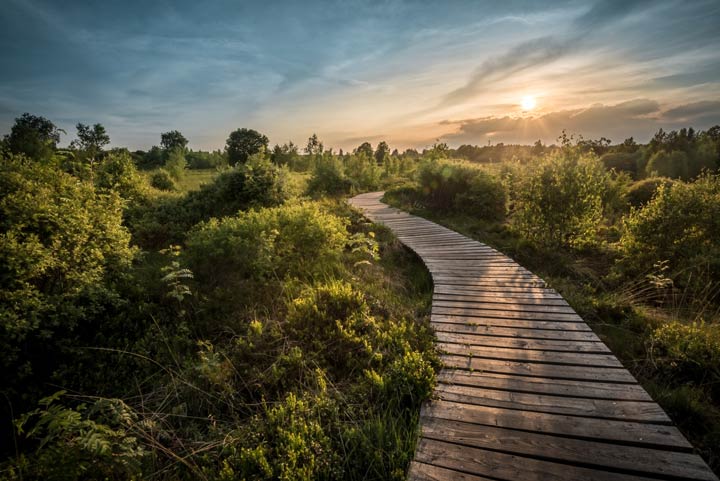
x,y
703,113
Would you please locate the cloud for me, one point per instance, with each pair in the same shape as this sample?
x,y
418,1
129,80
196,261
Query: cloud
x,y
521,57
542,50
694,112
638,118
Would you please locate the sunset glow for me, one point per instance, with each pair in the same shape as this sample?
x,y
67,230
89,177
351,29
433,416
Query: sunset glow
x,y
528,103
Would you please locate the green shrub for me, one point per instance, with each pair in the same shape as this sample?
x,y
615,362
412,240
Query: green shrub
x,y
61,244
622,161
688,353
165,221
461,187
363,172
681,226
118,172
175,164
161,180
562,200
328,177
333,321
642,191
299,240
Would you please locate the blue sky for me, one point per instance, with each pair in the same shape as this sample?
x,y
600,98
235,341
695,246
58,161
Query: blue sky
x,y
409,72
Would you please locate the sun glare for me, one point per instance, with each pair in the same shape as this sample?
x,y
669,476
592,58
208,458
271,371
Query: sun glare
x,y
528,102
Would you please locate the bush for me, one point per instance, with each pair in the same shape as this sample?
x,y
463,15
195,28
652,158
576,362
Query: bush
x,y
680,225
175,164
61,245
453,186
622,161
328,177
690,353
363,172
118,172
167,221
299,240
562,200
333,320
641,192
161,180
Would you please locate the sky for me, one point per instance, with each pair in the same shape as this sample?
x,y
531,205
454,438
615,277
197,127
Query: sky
x,y
408,72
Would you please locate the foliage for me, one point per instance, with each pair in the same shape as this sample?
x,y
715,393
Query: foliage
x,y
54,263
451,186
363,172
173,140
690,353
298,240
622,161
161,180
33,136
167,221
328,177
118,173
90,142
642,191
562,200
680,225
85,442
242,143
197,159
175,163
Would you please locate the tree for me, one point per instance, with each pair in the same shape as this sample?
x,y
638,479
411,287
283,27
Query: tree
x,y
90,142
365,148
242,143
34,136
538,148
172,140
381,152
314,146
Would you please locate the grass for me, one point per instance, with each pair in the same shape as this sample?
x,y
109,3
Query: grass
x,y
194,179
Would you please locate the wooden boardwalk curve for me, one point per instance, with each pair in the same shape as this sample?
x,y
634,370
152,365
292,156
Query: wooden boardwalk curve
x,y
527,391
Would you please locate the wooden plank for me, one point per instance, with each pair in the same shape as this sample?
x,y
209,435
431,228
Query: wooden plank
x,y
443,293
488,304
515,332
519,343
427,472
604,455
636,411
516,323
634,433
502,466
530,355
554,387
530,315
549,371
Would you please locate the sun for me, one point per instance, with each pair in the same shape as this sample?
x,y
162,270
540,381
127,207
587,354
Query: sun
x,y
528,102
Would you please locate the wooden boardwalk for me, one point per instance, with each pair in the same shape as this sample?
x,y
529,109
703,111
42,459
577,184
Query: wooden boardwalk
x,y
527,391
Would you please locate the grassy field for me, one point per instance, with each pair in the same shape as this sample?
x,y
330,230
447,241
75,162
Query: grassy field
x,y
194,179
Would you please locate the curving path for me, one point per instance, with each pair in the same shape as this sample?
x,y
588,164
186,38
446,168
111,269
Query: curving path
x,y
527,391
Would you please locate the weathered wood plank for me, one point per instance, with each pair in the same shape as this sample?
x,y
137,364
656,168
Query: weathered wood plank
x,y
535,385
519,343
640,434
550,371
502,466
637,411
515,332
529,355
604,455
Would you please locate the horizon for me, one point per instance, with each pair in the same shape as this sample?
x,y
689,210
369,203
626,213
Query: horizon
x,y
408,73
